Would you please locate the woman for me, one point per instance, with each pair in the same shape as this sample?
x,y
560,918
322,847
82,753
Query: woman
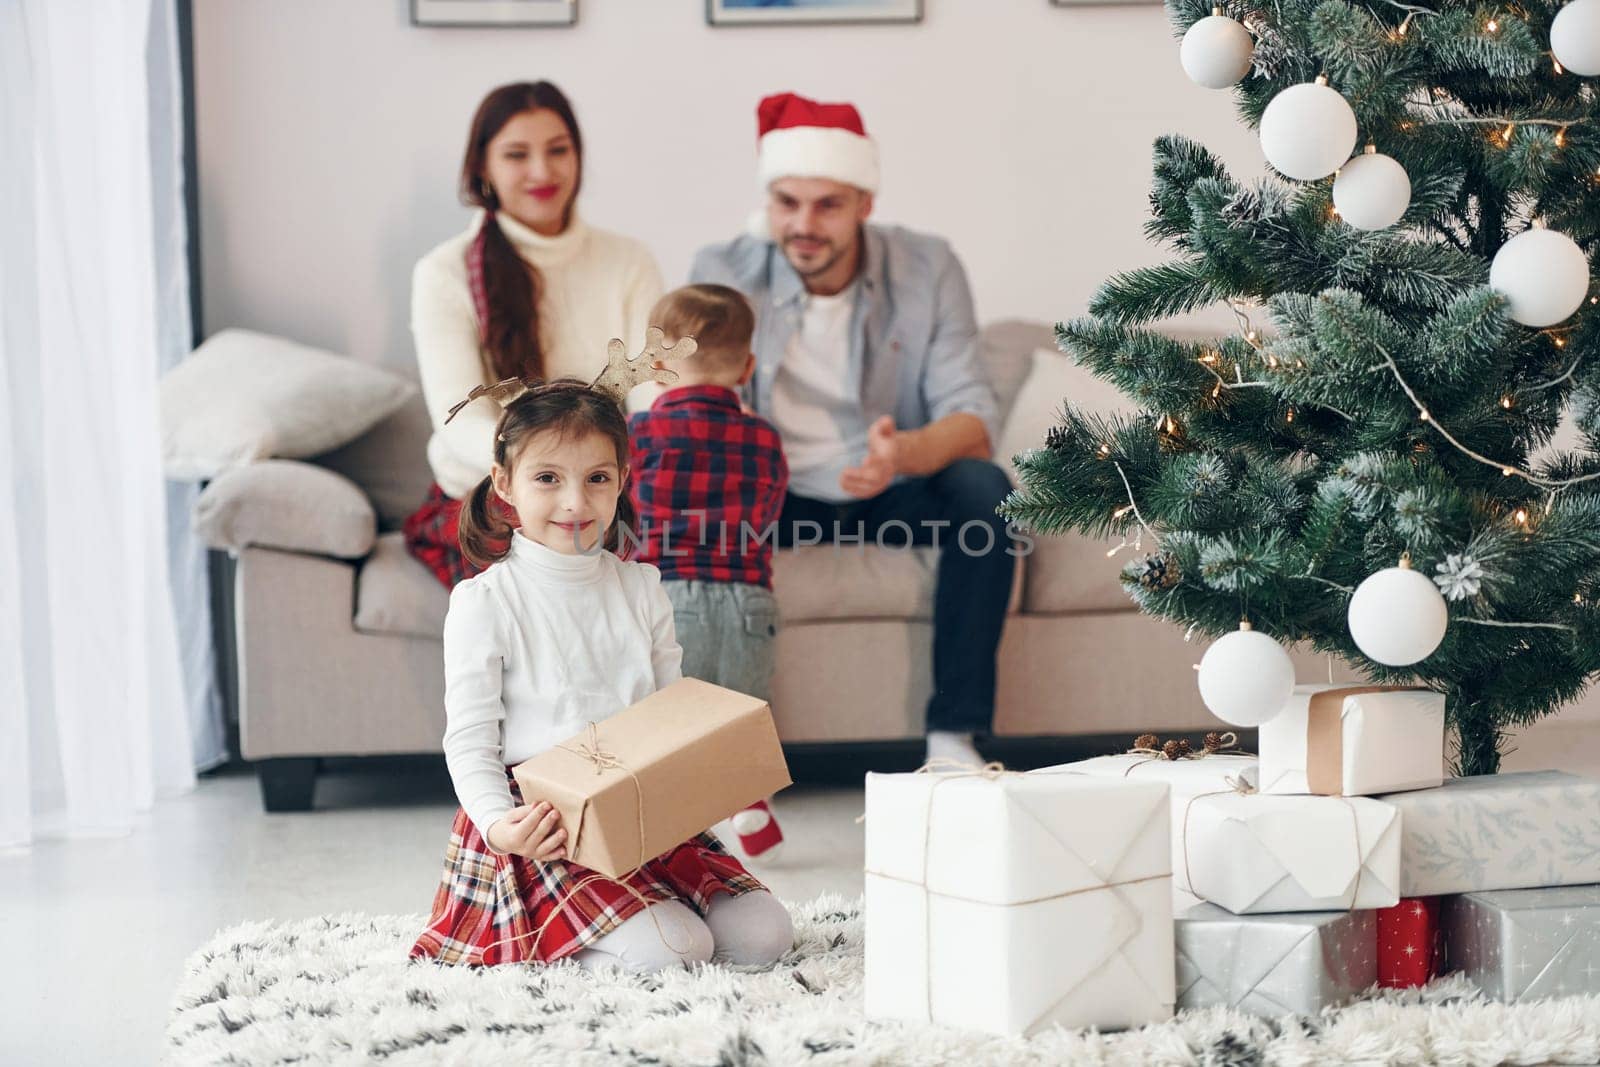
x,y
528,291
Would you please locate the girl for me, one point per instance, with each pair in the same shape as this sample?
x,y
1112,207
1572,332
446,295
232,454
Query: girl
x,y
522,293
556,632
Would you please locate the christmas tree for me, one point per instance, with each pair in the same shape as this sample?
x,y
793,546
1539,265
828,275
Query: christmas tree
x,y
1395,381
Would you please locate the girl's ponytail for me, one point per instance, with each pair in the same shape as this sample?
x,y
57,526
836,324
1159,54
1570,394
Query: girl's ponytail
x,y
627,519
484,532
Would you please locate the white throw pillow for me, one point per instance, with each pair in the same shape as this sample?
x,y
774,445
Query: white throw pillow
x,y
244,396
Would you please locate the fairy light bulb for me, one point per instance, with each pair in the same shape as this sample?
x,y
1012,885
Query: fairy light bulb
x,y
1521,517
1505,402
1493,25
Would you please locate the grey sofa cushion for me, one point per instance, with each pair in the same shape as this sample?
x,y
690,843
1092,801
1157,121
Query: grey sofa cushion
x,y
282,503
395,594
821,583
389,462
1006,351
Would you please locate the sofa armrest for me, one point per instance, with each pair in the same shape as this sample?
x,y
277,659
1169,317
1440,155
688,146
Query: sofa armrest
x,y
286,504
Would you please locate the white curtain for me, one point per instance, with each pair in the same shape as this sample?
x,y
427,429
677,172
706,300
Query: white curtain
x,y
94,724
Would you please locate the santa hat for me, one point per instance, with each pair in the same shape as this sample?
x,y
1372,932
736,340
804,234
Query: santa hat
x,y
801,138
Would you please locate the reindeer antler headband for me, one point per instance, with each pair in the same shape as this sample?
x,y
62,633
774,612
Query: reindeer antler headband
x,y
622,372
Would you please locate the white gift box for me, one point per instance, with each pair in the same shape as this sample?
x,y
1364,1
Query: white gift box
x,y
1261,854
1186,777
1354,741
1009,904
1500,831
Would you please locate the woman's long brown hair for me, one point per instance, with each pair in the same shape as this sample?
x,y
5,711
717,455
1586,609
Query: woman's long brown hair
x,y
570,408
511,283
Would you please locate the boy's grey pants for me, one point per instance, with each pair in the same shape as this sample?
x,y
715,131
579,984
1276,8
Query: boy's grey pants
x,y
727,630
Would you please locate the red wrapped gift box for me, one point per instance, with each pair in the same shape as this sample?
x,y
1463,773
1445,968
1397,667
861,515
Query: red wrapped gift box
x,y
1410,948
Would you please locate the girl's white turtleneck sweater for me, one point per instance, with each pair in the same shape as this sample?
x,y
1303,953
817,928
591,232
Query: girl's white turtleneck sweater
x,y
596,285
538,646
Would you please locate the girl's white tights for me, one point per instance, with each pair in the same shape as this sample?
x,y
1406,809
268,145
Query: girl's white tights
x,y
752,930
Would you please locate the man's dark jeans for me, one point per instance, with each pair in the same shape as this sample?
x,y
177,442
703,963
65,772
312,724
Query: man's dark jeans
x,y
954,509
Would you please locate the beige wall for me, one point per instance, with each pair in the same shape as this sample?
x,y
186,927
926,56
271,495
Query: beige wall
x,y
330,130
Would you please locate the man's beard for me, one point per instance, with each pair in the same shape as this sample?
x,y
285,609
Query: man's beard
x,y
826,265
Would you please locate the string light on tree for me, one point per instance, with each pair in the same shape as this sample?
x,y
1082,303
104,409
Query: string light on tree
x,y
1245,677
1575,37
1216,51
1544,275
1308,130
1397,617
1372,191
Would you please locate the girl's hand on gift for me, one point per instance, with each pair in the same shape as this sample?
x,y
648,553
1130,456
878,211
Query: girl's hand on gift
x,y
532,831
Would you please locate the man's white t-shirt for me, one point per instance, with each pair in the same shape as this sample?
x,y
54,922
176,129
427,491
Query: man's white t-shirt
x,y
816,400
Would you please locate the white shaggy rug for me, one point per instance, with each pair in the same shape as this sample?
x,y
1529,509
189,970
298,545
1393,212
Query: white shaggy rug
x,y
340,990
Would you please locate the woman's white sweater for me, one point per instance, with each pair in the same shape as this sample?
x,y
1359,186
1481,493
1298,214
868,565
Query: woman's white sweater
x,y
596,285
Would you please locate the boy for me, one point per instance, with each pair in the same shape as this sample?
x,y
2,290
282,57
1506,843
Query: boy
x,y
708,481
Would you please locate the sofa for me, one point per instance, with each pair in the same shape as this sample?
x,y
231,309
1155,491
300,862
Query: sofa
x,y
337,629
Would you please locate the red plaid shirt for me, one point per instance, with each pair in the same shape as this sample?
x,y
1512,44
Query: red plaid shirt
x,y
703,470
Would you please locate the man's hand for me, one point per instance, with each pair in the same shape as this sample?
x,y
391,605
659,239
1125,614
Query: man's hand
x,y
532,831
880,466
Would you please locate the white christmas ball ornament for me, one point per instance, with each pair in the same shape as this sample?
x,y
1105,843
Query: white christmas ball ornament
x,y
1543,273
1308,130
1372,191
1397,617
1216,51
1575,37
1245,677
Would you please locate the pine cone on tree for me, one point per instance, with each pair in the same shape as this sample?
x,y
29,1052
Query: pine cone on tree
x,y
1157,572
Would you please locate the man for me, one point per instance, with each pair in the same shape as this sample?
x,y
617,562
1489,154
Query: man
x,y
866,361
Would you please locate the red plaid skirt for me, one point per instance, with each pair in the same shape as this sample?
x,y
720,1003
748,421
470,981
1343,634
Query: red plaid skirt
x,y
433,536
488,907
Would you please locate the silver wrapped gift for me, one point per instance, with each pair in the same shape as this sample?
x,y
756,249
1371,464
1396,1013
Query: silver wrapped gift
x,y
1523,944
1271,965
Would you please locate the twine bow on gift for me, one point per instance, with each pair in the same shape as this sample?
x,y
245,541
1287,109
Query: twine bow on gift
x,y
1152,747
590,749
956,770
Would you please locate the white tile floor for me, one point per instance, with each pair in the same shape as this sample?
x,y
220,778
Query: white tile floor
x,y
97,931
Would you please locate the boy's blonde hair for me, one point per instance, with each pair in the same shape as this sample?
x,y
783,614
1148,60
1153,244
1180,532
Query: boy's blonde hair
x,y
718,318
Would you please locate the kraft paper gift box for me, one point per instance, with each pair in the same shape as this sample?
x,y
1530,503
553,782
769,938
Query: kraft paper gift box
x,y
1274,965
1523,944
1500,831
1354,741
1261,854
657,773
1010,904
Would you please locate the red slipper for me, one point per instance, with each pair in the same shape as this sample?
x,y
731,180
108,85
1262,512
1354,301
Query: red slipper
x,y
759,834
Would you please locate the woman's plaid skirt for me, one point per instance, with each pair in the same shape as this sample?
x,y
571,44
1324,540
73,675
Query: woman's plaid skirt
x,y
488,907
433,535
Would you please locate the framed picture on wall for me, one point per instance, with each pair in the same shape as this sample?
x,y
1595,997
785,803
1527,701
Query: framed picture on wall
x,y
494,12
810,12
